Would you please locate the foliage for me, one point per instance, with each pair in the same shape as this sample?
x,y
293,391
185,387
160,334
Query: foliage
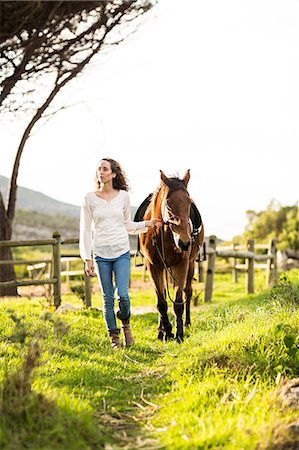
x,y
37,225
56,38
79,290
278,222
53,41
215,390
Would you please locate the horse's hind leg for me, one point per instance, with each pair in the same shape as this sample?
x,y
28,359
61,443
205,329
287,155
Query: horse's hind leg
x,y
188,291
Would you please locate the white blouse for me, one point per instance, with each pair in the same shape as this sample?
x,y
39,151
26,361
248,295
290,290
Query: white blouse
x,y
104,226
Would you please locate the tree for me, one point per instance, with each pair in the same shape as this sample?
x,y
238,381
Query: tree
x,y
289,238
278,222
55,40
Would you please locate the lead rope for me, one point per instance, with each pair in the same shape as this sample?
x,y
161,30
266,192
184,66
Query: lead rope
x,y
168,269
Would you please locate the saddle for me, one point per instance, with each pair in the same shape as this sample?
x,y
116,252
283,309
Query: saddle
x,y
194,213
194,216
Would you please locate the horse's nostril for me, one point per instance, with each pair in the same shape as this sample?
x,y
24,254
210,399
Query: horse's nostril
x,y
184,246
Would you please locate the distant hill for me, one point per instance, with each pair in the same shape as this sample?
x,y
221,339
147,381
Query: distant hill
x,y
36,201
38,216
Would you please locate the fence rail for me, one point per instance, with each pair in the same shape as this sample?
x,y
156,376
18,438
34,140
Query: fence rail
x,y
248,254
55,273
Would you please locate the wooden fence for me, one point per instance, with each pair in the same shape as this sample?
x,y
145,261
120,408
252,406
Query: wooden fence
x,y
249,256
53,277
56,272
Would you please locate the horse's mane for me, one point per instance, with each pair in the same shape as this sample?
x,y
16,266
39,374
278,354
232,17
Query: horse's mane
x,y
175,184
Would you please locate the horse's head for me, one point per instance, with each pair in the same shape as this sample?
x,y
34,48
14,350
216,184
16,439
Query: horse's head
x,y
176,208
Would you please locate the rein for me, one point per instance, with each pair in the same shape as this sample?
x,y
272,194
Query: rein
x,y
173,217
168,269
169,218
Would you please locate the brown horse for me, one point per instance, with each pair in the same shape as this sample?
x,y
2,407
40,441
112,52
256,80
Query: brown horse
x,y
170,250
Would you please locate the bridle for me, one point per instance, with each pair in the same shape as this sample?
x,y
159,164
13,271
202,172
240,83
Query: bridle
x,y
169,218
167,269
174,216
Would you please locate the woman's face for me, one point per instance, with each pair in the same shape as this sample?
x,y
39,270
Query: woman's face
x,y
104,172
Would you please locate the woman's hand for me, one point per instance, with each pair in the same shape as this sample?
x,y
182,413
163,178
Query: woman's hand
x,y
89,268
154,223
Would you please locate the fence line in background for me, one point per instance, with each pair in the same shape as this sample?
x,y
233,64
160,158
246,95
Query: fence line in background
x,y
248,255
54,279
236,252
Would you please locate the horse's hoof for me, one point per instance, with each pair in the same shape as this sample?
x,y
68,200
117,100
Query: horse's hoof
x,y
187,324
169,337
160,336
179,339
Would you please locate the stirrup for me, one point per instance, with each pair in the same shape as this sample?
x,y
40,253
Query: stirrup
x,y
137,253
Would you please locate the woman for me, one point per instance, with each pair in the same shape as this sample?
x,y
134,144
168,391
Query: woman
x,y
104,227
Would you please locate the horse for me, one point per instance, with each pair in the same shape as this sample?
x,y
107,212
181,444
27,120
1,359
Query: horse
x,y
170,251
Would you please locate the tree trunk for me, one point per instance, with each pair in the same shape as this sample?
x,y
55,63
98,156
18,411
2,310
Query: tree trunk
x,y
7,272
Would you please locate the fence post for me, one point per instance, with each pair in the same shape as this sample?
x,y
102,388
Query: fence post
x,y
57,268
212,242
235,271
200,275
250,268
271,279
87,289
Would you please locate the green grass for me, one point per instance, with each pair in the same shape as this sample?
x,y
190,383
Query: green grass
x,y
62,387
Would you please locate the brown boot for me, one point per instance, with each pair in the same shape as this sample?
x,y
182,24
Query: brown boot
x,y
114,339
128,337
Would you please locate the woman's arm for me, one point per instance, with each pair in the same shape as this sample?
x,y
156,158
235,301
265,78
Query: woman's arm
x,y
85,239
137,227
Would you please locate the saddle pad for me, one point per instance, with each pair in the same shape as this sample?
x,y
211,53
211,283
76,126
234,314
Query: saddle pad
x,y
194,213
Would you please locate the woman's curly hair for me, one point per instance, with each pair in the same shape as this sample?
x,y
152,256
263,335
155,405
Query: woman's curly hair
x,y
120,181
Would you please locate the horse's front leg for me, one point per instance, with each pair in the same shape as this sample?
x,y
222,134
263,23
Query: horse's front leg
x,y
180,275
164,326
160,329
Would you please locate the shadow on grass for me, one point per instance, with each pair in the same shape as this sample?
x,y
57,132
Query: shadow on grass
x,y
31,420
85,395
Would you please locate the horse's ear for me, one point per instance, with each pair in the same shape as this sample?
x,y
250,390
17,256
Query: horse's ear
x,y
186,177
163,177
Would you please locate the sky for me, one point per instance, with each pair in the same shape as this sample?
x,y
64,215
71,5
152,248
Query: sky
x,y
211,86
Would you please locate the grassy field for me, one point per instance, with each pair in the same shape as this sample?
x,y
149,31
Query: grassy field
x,y
62,387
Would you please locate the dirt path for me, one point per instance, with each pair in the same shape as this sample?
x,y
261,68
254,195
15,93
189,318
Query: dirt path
x,y
136,310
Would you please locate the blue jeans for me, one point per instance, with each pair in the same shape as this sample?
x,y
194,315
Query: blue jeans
x,y
114,274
